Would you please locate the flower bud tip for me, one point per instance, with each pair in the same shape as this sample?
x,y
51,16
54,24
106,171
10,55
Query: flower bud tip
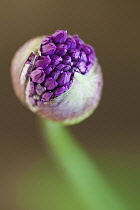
x,y
58,77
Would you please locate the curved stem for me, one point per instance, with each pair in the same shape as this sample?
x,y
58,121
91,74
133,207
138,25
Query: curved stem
x,y
83,173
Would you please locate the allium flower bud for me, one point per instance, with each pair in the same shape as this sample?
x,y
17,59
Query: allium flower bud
x,y
58,77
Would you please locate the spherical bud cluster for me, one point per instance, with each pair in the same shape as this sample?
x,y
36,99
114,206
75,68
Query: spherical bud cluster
x,y
58,77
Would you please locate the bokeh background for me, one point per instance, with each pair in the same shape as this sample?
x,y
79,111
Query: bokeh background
x,y
29,176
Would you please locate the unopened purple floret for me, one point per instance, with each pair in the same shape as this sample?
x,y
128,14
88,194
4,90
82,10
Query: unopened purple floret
x,y
46,40
41,62
55,59
81,66
61,49
64,78
55,74
38,75
87,49
50,83
47,96
74,53
83,57
39,89
60,56
78,40
58,91
60,67
48,49
59,37
71,43
67,60
32,89
31,58
48,70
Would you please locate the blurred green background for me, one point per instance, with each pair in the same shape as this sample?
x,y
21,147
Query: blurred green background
x,y
30,179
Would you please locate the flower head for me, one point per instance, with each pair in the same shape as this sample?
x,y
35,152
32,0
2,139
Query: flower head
x,y
58,77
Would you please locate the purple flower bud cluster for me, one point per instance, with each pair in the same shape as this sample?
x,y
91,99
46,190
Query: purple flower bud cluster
x,y
61,55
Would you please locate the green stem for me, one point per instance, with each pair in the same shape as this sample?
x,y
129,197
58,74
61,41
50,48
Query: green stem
x,y
83,173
